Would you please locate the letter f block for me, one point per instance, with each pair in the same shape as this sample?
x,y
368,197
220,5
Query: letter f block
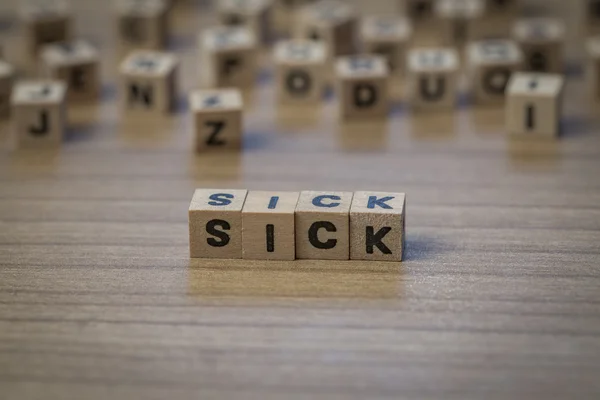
x,y
377,223
215,219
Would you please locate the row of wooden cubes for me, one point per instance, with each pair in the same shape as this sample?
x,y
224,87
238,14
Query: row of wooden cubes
x,y
233,224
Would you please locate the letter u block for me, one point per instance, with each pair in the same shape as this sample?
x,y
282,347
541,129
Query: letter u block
x,y
433,77
38,113
363,86
323,225
215,222
268,228
377,222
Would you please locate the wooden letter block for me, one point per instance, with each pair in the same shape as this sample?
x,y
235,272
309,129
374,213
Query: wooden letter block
x,y
7,74
387,36
458,20
149,81
215,218
255,14
593,66
75,63
491,64
229,56
541,40
592,13
38,113
363,86
432,77
142,24
333,22
268,227
377,223
284,12
534,104
217,119
300,70
45,22
323,225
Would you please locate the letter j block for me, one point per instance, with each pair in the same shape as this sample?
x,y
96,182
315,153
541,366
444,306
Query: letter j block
x,y
377,222
215,219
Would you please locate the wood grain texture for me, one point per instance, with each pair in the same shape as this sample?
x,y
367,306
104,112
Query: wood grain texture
x,y
498,297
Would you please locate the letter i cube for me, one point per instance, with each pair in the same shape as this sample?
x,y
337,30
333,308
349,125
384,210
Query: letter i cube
x,y
323,225
215,222
7,73
149,81
377,222
363,86
300,70
541,40
593,66
38,113
432,75
255,14
387,36
268,228
45,22
142,24
217,117
534,104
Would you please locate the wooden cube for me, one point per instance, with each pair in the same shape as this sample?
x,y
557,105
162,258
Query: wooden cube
x,y
534,104
362,83
432,75
215,220
229,57
387,36
45,22
377,222
593,66
217,119
418,11
142,24
255,14
7,75
149,81
323,225
268,227
284,14
541,40
300,70
592,14
458,20
38,113
491,64
333,22
77,64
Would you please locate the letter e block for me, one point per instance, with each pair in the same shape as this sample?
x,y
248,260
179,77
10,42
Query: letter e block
x,y
323,225
215,219
38,113
534,104
217,119
268,227
149,81
432,75
7,74
377,223
541,40
593,66
363,86
142,24
45,22
255,14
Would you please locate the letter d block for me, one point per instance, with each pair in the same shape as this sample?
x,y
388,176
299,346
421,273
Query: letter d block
x,y
377,223
323,225
215,218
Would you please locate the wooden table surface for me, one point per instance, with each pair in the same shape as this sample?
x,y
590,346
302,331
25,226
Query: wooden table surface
x,y
499,296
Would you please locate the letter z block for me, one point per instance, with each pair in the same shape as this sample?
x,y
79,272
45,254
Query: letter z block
x,y
217,119
363,86
534,104
45,22
215,219
142,24
7,73
149,81
323,225
377,222
541,40
38,113
432,75
268,227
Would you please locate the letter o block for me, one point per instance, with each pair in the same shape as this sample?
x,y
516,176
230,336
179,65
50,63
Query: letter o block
x,y
433,78
215,222
377,223
323,225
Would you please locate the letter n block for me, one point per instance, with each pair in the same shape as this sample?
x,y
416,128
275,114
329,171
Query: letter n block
x,y
7,73
300,70
432,75
268,227
377,223
593,66
541,40
38,113
323,225
142,24
45,22
149,81
363,86
215,219
534,104
217,117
